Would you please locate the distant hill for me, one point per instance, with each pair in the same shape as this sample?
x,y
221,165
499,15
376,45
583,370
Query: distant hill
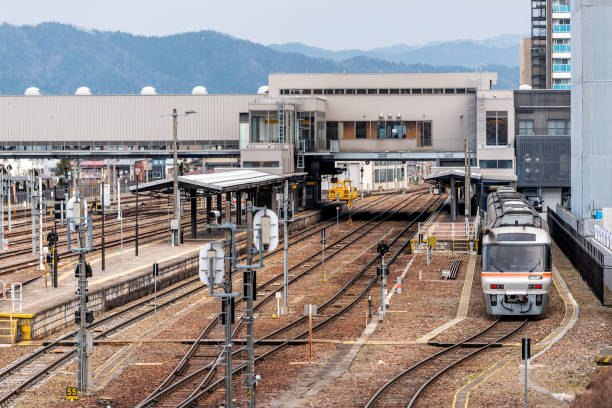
x,y
501,50
58,58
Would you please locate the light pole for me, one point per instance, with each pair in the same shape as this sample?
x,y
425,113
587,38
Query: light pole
x,y
9,186
137,172
2,175
176,232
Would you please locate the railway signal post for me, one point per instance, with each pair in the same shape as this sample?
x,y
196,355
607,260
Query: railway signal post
x,y
79,222
526,355
382,271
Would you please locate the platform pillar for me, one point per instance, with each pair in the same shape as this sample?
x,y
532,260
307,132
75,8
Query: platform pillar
x,y
228,199
220,206
239,207
453,202
194,214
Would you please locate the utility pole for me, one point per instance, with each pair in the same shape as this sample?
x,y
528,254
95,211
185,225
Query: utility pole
x,y
41,213
2,171
250,297
382,271
285,249
103,261
468,178
228,305
137,171
33,211
176,233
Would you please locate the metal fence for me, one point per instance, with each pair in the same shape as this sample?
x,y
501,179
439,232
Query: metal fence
x,y
586,258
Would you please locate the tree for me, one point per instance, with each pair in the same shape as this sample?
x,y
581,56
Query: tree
x,y
59,168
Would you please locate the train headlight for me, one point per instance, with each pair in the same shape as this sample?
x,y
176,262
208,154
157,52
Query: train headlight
x,y
535,286
535,277
496,286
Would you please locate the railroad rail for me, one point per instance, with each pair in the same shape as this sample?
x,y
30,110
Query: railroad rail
x,y
406,387
170,388
49,363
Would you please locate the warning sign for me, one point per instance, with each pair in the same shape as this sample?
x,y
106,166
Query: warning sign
x,y
432,241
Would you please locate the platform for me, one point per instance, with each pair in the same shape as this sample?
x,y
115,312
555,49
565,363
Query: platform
x,y
45,310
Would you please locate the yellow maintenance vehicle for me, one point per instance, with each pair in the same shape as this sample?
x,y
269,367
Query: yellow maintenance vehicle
x,y
343,191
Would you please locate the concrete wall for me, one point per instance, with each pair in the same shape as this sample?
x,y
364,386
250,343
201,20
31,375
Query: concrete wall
x,y
591,96
52,119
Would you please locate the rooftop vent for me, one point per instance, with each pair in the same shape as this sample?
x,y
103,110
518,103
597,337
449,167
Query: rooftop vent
x,y
199,90
32,91
82,91
148,90
263,90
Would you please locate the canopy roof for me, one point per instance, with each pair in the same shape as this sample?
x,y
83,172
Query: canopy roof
x,y
214,183
443,177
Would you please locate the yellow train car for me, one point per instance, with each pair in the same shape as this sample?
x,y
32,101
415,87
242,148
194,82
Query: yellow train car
x,y
343,191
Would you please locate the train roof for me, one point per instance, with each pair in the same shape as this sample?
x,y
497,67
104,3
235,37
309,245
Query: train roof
x,y
506,207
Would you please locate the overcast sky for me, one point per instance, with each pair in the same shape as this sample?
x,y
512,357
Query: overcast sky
x,y
332,24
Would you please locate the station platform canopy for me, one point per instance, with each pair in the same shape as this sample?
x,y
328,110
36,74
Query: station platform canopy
x,y
216,183
443,177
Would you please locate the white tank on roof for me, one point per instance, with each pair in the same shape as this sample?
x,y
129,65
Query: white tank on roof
x,y
199,90
82,91
148,90
525,87
263,90
32,91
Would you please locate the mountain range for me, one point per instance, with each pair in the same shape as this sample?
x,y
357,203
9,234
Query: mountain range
x,y
58,58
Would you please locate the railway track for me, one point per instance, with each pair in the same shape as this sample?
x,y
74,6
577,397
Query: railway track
x,y
194,378
405,388
31,368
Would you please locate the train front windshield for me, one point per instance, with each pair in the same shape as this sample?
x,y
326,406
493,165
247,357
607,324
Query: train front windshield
x,y
516,258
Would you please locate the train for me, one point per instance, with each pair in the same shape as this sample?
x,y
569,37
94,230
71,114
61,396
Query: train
x,y
516,257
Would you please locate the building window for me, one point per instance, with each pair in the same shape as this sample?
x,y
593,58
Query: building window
x,y
427,91
425,133
558,127
460,90
497,128
394,91
417,91
361,92
317,91
525,128
561,65
383,91
372,91
339,91
438,91
350,92
361,130
562,45
391,130
561,25
562,83
449,91
495,164
332,130
405,91
328,91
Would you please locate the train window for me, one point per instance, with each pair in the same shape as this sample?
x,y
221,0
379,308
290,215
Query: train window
x,y
516,237
514,258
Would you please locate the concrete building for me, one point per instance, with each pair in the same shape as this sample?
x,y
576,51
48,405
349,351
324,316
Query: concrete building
x,y
525,62
550,44
543,147
591,118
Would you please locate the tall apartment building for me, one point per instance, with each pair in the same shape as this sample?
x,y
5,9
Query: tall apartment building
x,y
550,44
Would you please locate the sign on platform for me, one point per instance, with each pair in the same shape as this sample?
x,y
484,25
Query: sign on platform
x,y
310,310
215,250
74,207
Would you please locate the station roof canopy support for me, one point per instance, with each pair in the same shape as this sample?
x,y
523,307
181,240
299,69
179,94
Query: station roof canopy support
x,y
215,183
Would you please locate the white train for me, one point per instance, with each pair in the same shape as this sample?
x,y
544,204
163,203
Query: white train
x,y
516,257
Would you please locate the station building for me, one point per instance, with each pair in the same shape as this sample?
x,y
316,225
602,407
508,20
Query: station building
x,y
319,124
